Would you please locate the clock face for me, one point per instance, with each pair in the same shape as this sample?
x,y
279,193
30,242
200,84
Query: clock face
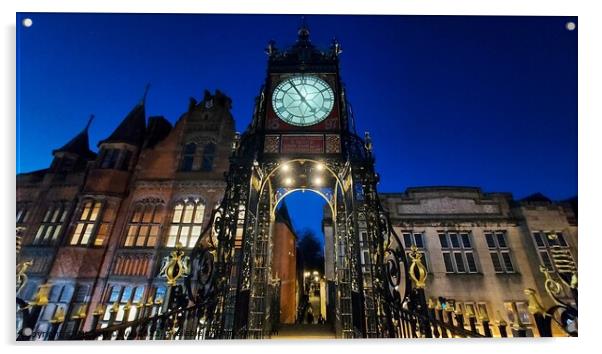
x,y
303,100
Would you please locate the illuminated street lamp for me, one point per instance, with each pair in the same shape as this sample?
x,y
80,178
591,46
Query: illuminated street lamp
x,y
317,181
288,181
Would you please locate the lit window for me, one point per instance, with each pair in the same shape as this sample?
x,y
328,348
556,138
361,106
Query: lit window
x,y
458,254
89,218
552,244
122,295
186,225
51,225
59,297
415,239
499,252
144,226
22,213
518,310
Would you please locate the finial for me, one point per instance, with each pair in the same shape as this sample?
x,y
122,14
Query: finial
x,y
303,29
336,47
271,48
368,141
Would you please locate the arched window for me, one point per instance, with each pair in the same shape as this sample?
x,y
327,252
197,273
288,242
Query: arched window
x,y
144,226
188,157
186,224
208,157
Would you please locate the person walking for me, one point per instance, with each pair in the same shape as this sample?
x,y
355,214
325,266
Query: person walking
x,y
310,316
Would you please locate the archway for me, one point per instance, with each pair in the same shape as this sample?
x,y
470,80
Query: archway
x,y
301,306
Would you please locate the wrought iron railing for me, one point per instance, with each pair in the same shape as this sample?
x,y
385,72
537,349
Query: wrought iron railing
x,y
410,316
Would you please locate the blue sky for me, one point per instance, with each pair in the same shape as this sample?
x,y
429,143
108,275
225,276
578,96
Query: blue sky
x,y
449,100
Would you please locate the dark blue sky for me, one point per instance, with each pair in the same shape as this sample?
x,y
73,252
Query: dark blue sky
x,y
472,101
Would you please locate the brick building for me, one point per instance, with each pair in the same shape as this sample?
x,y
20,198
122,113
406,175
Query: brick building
x,y
97,226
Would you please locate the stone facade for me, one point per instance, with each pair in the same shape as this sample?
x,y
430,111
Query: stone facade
x,y
480,248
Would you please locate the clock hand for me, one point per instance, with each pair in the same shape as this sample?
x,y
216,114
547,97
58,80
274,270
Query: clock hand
x,y
313,110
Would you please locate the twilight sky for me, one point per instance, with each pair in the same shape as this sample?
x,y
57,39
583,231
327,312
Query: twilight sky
x,y
449,100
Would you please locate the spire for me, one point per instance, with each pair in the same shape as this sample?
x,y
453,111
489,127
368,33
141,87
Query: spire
x,y
146,88
301,52
79,144
133,127
303,31
89,123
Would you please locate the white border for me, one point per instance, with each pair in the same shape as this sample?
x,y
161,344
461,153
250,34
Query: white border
x,y
590,177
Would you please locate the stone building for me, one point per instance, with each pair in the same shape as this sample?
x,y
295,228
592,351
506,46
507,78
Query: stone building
x,y
483,249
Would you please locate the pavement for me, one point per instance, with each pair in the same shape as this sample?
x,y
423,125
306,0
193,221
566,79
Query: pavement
x,y
304,331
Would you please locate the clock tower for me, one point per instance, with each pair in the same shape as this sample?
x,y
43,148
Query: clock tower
x,y
302,138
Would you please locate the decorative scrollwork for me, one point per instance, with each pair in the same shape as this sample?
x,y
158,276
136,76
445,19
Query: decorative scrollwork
x,y
176,266
22,274
393,274
553,288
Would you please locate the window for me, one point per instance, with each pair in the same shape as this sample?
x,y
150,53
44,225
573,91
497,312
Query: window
x,y
196,159
122,295
21,213
499,252
59,297
208,157
124,163
188,157
118,159
415,239
550,245
517,310
86,224
108,158
187,223
158,298
458,254
144,226
51,225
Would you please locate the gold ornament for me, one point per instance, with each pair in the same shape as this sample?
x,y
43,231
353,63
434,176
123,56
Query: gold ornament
x,y
420,279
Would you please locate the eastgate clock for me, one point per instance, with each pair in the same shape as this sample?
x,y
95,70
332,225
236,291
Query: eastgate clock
x,y
303,100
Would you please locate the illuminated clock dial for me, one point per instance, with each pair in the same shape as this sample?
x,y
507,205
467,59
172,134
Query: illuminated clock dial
x,y
303,100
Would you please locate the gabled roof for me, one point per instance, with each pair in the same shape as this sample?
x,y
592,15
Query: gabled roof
x,y
79,144
132,128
